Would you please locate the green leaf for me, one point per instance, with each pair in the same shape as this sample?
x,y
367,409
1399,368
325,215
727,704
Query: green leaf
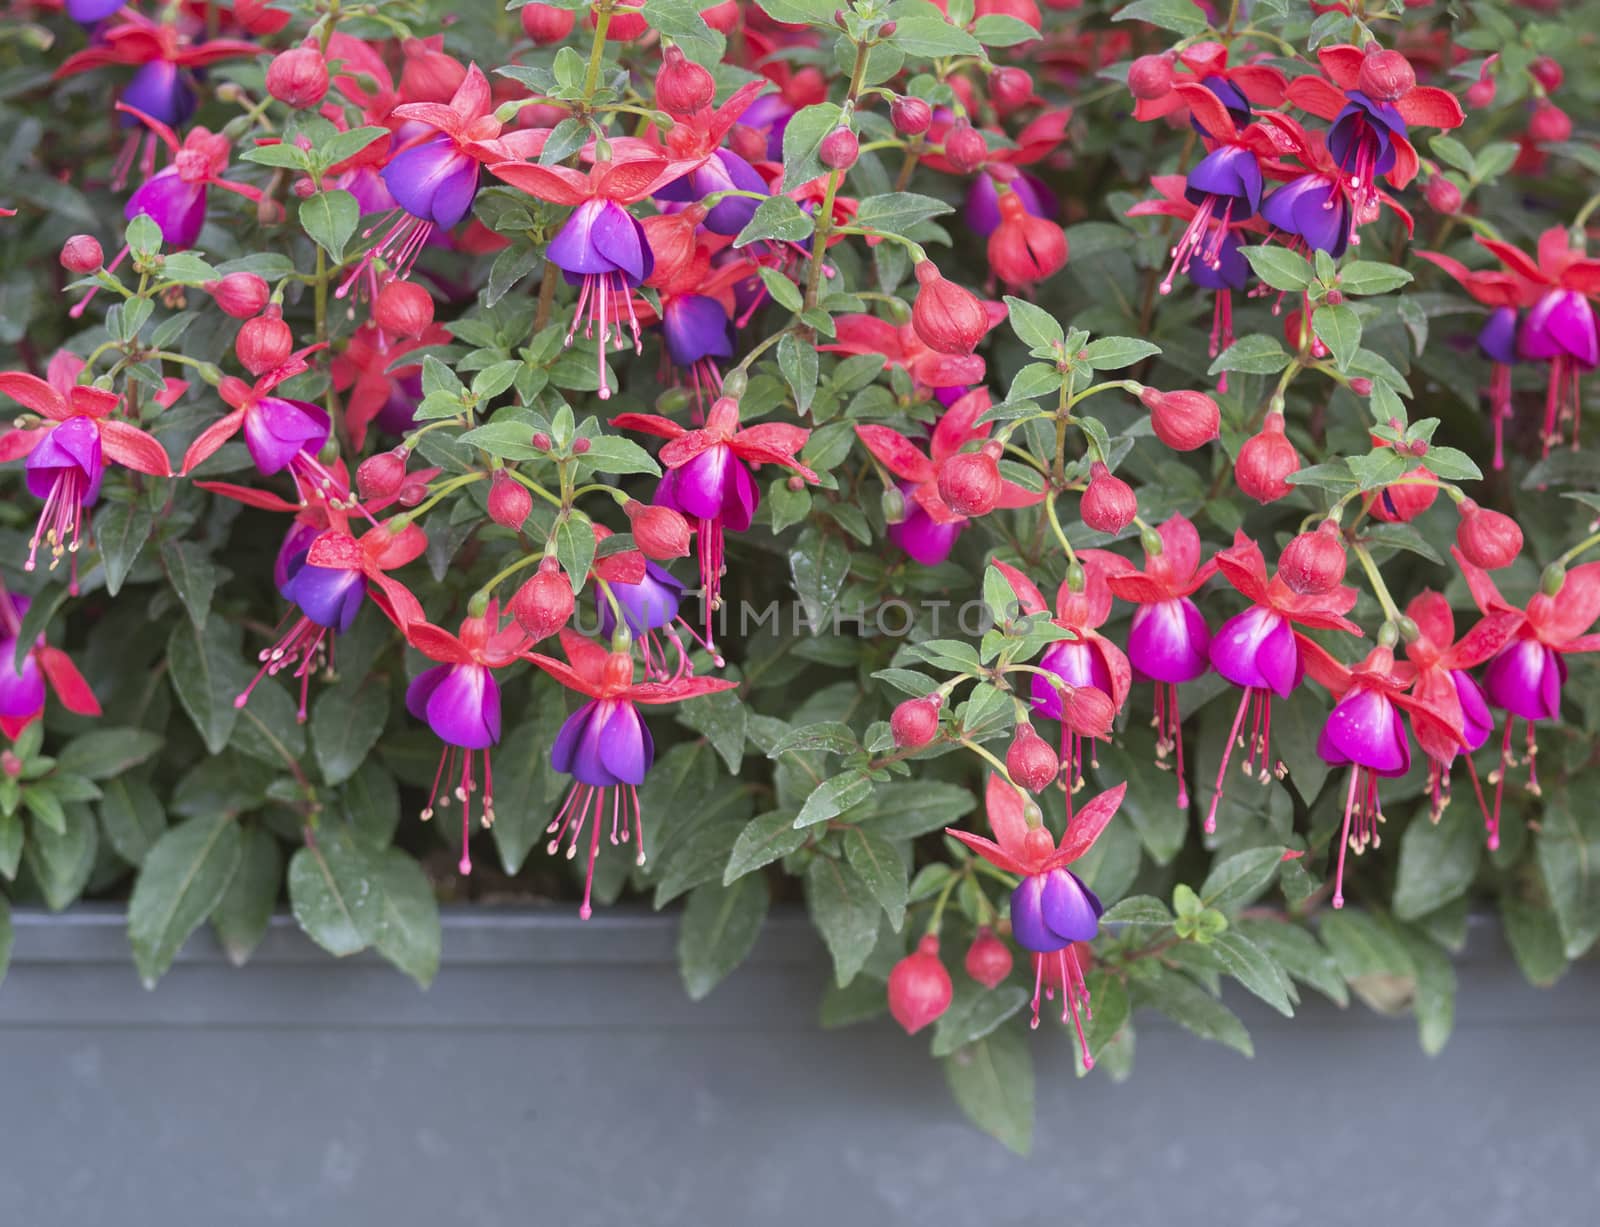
x,y
1034,380
614,454
1339,328
1003,30
898,212
1437,861
62,860
132,816
845,912
1190,1006
930,37
106,753
1377,468
800,366
777,217
330,218
343,145
193,577
1035,327
1535,941
1371,277
1254,968
784,292
1298,953
1279,267
346,723
1177,15
832,797
818,565
143,236
1434,998
975,1014
120,530
992,1081
335,893
766,838
1139,912
1255,354
525,788
241,916
883,870
1363,948
1236,881
722,719
574,539
1450,150
6,937
408,933
1568,851
802,138
799,12
11,836
206,672
184,877
1114,353
719,929
1451,464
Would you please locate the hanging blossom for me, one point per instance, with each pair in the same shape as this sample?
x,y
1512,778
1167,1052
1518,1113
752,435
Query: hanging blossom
x,y
709,481
22,687
1507,295
648,598
696,141
375,389
67,451
1239,87
1051,909
1168,637
460,701
1443,683
945,376
605,746
1525,677
1260,651
930,526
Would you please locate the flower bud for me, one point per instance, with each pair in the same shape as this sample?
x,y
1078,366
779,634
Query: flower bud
x,y
1442,195
969,482
256,17
910,116
1030,761
839,149
541,441
659,532
82,254
1487,539
1547,73
964,147
919,987
264,343
1385,76
581,446
1404,501
915,722
240,295
894,506
1549,124
298,77
948,318
1024,249
1314,562
1088,711
1109,504
403,309
1009,88
1182,420
546,24
1361,386
682,86
1481,92
988,959
1150,77
1265,462
748,143
380,477
543,605
509,501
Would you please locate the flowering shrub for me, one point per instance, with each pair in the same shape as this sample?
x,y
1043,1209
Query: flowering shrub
x,y
907,458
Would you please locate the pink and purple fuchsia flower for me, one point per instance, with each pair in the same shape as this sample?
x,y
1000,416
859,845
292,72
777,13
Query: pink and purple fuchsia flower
x,y
22,686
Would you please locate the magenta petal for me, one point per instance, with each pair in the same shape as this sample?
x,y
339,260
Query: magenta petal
x,y
1477,721
21,692
277,430
924,538
421,690
1257,649
1561,324
1525,680
74,444
177,208
699,488
464,707
739,498
1167,641
1364,728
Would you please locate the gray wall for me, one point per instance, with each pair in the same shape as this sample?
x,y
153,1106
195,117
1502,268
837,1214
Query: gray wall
x,y
555,1074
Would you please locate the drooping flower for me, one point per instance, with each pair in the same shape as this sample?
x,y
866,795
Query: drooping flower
x,y
1168,638
67,452
606,746
377,390
1260,651
949,376
1238,87
1051,908
22,687
929,528
709,481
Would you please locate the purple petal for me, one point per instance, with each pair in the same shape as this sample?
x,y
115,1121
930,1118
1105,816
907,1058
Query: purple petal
x,y
921,536
1525,680
464,708
1070,909
982,209
329,596
1027,917
620,240
292,555
1167,641
626,748
74,444
1232,271
421,690
277,430
739,497
21,693
1561,324
1477,721
1257,649
162,91
1498,340
177,208
647,605
433,181
1229,172
564,750
696,327
722,171
1364,728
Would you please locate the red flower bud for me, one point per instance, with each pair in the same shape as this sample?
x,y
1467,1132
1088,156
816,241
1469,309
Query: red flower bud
x,y
1024,249
298,77
1314,562
969,482
721,17
682,86
380,476
747,142
1030,761
1182,420
1025,11
1442,195
1265,462
240,295
1547,73
82,254
1009,88
915,722
1549,124
947,317
429,75
581,446
264,343
1480,93
1361,386
1404,501
659,532
540,440
1386,75
546,24
1109,504
403,309
910,116
964,147
543,605
919,987
1150,77
509,500
988,959
839,149
257,18
625,26
1487,539
1088,711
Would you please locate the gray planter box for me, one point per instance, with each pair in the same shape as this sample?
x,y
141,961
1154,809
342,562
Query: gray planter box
x,y
556,1074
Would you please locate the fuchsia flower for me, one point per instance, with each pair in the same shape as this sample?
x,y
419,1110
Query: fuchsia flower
x,y
66,453
1051,908
947,375
929,528
1168,639
1237,87
605,745
708,481
460,701
22,687
1260,651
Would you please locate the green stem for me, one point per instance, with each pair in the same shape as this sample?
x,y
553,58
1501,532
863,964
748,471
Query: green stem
x,y
1391,611
602,22
1055,527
